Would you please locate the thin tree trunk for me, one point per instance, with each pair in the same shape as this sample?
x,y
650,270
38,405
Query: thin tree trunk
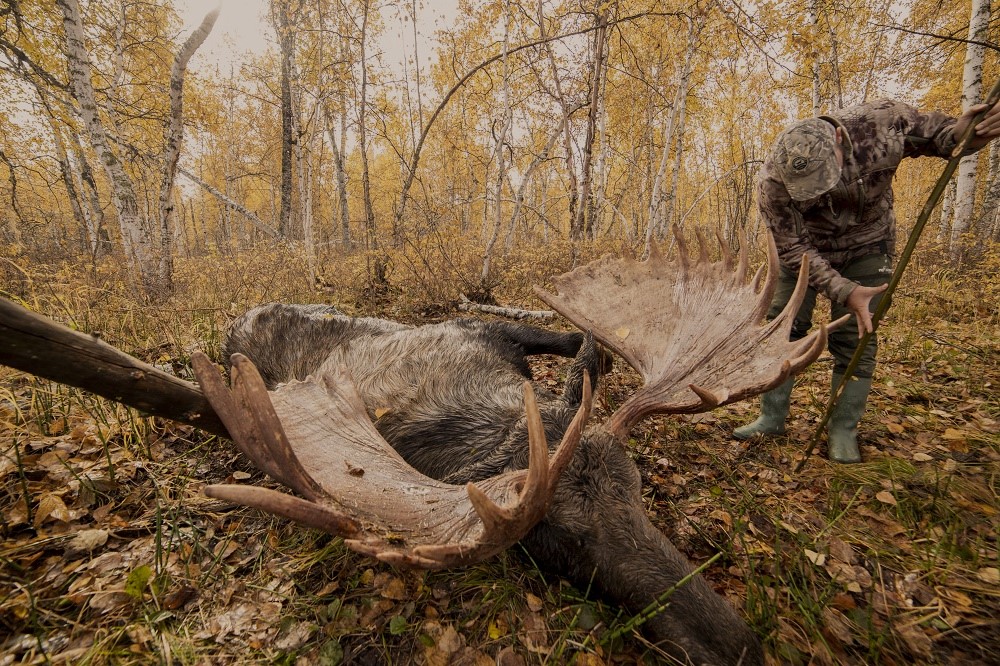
x,y
230,203
526,179
579,228
990,209
564,105
340,173
972,86
172,136
286,45
812,10
88,239
92,202
377,264
947,212
506,121
658,217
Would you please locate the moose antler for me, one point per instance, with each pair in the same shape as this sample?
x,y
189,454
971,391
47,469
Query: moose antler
x,y
315,437
694,331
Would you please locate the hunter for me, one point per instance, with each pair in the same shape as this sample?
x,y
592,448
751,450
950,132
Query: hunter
x,y
825,191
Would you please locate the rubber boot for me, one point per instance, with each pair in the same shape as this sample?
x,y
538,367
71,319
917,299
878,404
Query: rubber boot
x,y
773,410
842,431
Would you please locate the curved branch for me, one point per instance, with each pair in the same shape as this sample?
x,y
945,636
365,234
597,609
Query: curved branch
x,y
411,168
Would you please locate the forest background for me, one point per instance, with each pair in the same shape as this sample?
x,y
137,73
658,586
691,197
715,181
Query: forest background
x,y
152,194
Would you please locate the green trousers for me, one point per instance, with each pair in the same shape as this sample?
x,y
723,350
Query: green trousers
x,y
871,270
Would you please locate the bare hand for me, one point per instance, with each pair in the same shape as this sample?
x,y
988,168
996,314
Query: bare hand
x,y
987,129
858,302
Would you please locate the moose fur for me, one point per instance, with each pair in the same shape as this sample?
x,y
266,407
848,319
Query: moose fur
x,y
448,398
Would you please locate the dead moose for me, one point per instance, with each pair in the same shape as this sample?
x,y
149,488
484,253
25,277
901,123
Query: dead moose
x,y
428,447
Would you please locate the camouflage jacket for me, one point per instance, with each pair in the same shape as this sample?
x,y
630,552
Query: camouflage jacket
x,y
856,217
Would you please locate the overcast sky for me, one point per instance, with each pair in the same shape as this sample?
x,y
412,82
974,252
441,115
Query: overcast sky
x,y
243,27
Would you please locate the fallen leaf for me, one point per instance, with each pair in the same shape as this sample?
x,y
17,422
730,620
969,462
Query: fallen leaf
x,y
922,457
498,628
886,497
989,575
450,641
50,507
819,559
85,541
895,428
391,587
137,581
622,333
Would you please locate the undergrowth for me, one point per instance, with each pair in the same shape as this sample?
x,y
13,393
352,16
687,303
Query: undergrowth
x,y
111,553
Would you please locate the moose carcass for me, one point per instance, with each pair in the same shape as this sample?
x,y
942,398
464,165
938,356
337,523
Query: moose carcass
x,y
447,406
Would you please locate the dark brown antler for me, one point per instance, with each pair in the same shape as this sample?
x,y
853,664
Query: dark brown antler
x,y
315,437
694,331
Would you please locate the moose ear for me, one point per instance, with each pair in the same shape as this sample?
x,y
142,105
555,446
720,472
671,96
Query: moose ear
x,y
694,329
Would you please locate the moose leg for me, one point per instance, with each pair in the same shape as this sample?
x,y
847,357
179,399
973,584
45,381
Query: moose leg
x,y
592,360
535,340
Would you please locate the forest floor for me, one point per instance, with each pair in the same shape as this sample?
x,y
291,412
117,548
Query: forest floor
x,y
110,553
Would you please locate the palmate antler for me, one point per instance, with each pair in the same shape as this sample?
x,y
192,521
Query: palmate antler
x,y
316,438
694,331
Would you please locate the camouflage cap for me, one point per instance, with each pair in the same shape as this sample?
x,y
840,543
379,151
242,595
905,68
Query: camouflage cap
x,y
806,160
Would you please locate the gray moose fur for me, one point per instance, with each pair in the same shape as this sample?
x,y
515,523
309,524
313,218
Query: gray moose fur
x,y
448,398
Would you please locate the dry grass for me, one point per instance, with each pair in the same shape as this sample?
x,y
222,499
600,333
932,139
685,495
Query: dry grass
x,y
111,554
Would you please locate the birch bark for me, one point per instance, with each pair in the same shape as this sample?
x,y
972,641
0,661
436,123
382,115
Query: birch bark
x,y
972,86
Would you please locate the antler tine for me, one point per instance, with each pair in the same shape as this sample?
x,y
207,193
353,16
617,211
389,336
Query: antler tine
x,y
248,385
682,250
813,345
243,421
305,512
708,399
727,254
787,315
564,453
743,260
702,246
771,283
537,482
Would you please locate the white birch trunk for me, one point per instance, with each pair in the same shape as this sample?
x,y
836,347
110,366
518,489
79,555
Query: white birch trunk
x,y
567,110
657,197
501,152
137,237
340,174
813,13
972,86
947,210
172,136
92,202
990,209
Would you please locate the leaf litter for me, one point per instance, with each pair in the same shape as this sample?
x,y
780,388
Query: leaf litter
x,y
110,552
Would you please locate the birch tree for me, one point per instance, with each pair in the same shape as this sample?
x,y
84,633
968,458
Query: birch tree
x,y
972,86
139,233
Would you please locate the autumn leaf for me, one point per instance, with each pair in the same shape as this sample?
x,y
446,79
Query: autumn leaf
x,y
50,507
137,581
886,497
